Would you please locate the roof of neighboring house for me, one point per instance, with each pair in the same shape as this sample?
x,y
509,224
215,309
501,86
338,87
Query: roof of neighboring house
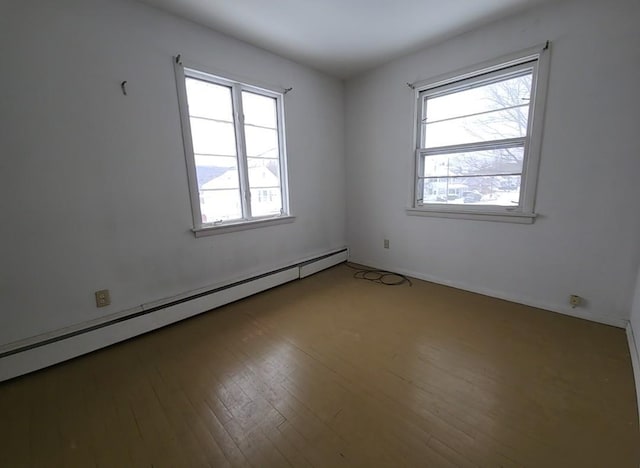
x,y
207,173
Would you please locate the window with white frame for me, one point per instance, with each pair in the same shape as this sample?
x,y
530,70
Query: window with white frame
x,y
234,143
478,141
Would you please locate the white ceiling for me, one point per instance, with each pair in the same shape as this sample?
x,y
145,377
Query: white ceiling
x,y
342,37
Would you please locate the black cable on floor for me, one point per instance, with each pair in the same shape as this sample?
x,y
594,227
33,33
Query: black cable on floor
x,y
379,276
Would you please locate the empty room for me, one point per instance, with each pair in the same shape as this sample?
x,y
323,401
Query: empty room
x,y
320,233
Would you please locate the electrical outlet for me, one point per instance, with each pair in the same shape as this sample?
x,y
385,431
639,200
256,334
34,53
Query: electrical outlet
x,y
575,300
103,299
386,243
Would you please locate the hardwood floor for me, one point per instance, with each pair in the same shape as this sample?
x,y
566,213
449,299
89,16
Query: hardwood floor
x,y
333,371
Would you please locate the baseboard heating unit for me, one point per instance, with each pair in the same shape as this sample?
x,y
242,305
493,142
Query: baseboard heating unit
x,y
52,348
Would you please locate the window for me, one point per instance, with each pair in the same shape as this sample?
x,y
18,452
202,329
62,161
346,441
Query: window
x,y
478,142
234,145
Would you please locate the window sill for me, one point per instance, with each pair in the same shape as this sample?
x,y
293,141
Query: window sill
x,y
503,217
241,226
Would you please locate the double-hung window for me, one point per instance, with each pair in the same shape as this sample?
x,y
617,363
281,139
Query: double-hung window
x,y
233,135
478,142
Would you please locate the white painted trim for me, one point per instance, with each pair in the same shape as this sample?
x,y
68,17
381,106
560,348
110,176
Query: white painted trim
x,y
504,216
593,317
44,355
187,142
635,361
241,226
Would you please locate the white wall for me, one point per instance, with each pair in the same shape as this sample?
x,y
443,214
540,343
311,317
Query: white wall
x,y
585,239
93,184
94,189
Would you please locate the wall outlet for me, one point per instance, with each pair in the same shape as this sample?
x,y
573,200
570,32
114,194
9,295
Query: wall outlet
x,y
386,243
575,300
103,298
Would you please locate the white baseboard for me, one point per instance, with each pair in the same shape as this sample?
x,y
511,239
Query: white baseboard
x,y
55,347
599,318
635,361
314,266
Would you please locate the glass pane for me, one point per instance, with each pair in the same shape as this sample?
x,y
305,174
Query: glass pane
x,y
261,142
495,96
259,110
485,162
220,205
496,125
209,100
264,180
219,188
266,202
211,137
273,165
484,190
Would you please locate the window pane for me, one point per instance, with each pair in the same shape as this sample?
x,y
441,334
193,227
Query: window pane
x,y
220,205
485,162
219,187
272,164
264,180
489,97
266,202
261,142
211,137
259,110
484,190
209,100
495,125
494,111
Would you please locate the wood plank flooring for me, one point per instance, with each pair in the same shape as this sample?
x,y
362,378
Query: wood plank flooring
x,y
332,371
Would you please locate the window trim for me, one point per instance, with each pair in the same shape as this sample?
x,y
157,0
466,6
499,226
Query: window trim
x,y
242,226
186,69
538,57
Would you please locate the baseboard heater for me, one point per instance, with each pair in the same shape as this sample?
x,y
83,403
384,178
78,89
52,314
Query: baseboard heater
x,y
50,349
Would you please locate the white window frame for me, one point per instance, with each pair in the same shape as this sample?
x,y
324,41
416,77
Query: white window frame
x,y
536,59
185,70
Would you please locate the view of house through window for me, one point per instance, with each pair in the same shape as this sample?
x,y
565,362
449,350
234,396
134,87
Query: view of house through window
x,y
236,144
473,139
